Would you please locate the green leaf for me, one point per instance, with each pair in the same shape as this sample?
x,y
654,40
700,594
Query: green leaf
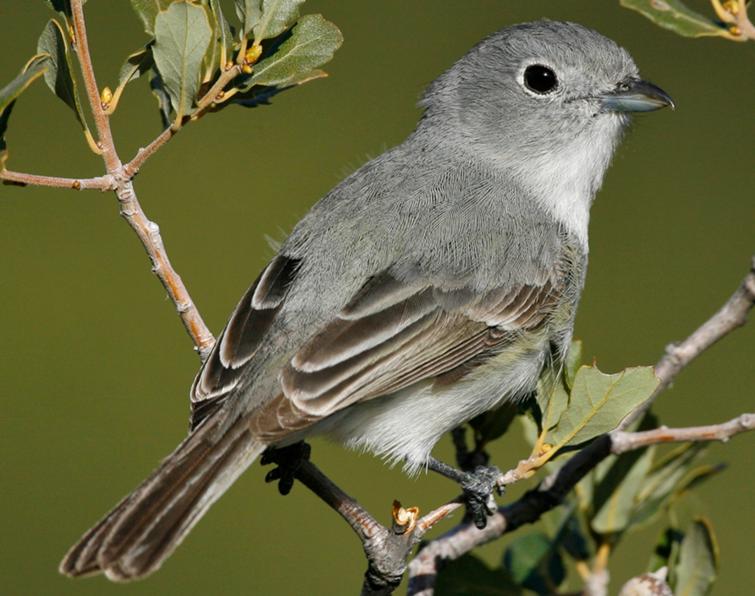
x,y
553,399
59,74
533,562
572,363
698,560
136,65
469,576
697,476
277,16
148,10
662,481
249,13
615,496
222,33
599,402
33,69
182,34
677,17
312,43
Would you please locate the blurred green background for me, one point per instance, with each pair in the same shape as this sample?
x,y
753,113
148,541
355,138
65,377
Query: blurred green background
x,y
95,365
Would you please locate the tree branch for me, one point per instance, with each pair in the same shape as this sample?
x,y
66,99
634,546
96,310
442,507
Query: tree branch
x,y
101,183
551,491
386,549
147,231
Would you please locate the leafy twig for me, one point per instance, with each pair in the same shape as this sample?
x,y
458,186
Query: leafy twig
x,y
148,231
460,540
551,491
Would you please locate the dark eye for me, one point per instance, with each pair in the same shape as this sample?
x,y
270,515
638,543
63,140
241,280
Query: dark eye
x,y
540,79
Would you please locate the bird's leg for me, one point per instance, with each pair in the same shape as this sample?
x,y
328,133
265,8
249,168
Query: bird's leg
x,y
478,486
289,460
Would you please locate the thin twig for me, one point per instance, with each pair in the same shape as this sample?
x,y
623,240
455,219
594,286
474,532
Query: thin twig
x,y
101,183
147,231
132,168
203,104
623,441
101,120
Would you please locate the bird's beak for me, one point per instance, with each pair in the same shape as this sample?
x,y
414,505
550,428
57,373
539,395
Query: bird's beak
x,y
636,95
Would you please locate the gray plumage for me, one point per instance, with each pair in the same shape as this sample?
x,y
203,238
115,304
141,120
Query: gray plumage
x,y
438,280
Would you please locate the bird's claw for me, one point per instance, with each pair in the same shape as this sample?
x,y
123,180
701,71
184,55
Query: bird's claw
x,y
478,491
289,460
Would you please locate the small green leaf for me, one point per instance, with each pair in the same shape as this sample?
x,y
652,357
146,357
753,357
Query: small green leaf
x,y
677,17
469,576
59,74
532,561
698,560
572,363
697,476
222,33
136,65
277,16
662,481
249,13
553,399
33,69
182,34
147,11
312,43
616,494
599,402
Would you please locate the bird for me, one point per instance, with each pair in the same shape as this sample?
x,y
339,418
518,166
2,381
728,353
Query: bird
x,y
438,281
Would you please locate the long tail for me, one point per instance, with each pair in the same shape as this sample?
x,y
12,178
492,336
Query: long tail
x,y
145,528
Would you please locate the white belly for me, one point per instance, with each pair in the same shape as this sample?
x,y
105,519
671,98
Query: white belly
x,y
405,427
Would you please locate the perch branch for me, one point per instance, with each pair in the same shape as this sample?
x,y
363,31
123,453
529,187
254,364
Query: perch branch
x,y
101,183
386,549
551,491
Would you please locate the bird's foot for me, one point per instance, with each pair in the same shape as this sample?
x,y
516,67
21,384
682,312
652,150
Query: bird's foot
x,y
288,460
478,487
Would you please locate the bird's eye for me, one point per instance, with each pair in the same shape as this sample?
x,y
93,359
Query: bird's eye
x,y
540,79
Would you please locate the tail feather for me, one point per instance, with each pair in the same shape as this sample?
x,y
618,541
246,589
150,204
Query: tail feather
x,y
145,528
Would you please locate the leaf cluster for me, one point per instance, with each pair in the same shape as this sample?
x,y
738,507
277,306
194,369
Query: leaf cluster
x,y
197,60
622,494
